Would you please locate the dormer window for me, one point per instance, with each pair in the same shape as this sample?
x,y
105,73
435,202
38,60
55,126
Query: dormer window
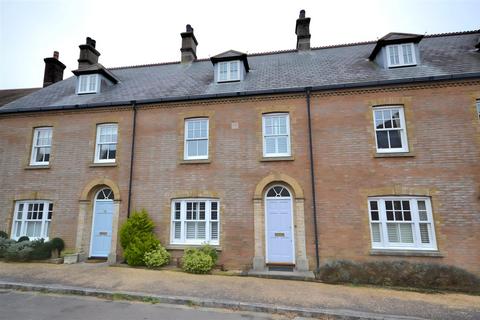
x,y
229,71
88,83
230,66
400,55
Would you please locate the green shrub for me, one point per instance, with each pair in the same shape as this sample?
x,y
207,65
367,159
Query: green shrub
x,y
3,235
137,238
197,261
157,257
41,250
400,274
211,251
58,244
20,251
23,238
4,245
137,225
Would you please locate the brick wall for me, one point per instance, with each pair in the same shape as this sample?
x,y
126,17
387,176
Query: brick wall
x,y
443,132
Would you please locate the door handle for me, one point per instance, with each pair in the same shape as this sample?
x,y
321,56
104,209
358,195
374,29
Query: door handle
x,y
103,233
280,234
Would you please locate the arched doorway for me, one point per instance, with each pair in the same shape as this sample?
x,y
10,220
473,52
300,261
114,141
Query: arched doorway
x,y
279,233
101,236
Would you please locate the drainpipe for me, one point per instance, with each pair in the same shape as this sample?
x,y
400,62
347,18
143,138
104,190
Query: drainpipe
x,y
312,177
132,154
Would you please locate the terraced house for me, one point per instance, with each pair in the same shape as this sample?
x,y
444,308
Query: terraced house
x,y
365,151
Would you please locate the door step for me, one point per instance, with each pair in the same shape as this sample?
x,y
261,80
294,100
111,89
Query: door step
x,y
96,260
281,268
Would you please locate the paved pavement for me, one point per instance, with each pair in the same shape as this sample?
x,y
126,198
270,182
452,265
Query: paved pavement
x,y
295,294
39,306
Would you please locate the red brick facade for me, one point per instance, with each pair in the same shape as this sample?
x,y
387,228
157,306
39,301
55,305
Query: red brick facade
x,y
443,163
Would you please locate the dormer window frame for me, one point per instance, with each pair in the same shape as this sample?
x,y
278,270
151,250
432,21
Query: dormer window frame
x,y
229,65
401,56
88,83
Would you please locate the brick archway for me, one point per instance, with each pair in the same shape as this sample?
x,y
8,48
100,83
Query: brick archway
x,y
85,213
299,220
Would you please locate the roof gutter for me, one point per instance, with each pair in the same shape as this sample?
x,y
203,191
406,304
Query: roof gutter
x,y
353,85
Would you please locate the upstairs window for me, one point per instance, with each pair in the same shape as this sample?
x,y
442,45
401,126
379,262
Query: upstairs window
x,y
390,129
401,223
399,55
41,146
196,139
88,83
229,71
195,221
32,219
106,144
276,135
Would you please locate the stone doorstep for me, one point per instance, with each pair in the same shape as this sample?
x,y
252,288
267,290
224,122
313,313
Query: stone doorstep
x,y
343,314
285,275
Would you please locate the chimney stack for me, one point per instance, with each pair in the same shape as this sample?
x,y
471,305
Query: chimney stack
x,y
302,30
88,54
53,70
189,45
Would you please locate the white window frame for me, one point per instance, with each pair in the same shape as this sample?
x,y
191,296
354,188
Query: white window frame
x,y
265,136
22,223
91,81
98,143
417,244
402,129
183,222
400,50
36,146
187,139
229,65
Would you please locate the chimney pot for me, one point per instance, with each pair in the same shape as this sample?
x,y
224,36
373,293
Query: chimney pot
x,y
189,45
53,70
88,54
302,30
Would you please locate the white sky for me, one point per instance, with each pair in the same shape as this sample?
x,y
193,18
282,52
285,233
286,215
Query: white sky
x,y
142,31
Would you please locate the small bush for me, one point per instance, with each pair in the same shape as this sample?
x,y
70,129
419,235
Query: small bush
x,y
41,250
211,251
23,238
4,245
197,261
58,244
3,235
400,274
156,258
20,251
137,238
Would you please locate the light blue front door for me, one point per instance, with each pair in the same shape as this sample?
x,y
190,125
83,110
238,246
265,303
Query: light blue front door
x,y
102,228
279,231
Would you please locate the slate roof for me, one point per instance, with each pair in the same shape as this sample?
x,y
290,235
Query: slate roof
x,y
442,56
9,95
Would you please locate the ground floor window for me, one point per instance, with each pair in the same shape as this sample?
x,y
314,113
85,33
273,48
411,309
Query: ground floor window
x,y
402,223
195,221
32,219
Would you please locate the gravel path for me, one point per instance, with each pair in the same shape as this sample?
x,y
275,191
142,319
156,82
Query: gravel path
x,y
248,289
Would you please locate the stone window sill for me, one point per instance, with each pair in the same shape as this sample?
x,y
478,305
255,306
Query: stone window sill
x,y
395,155
199,161
107,164
406,253
268,159
34,167
186,246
